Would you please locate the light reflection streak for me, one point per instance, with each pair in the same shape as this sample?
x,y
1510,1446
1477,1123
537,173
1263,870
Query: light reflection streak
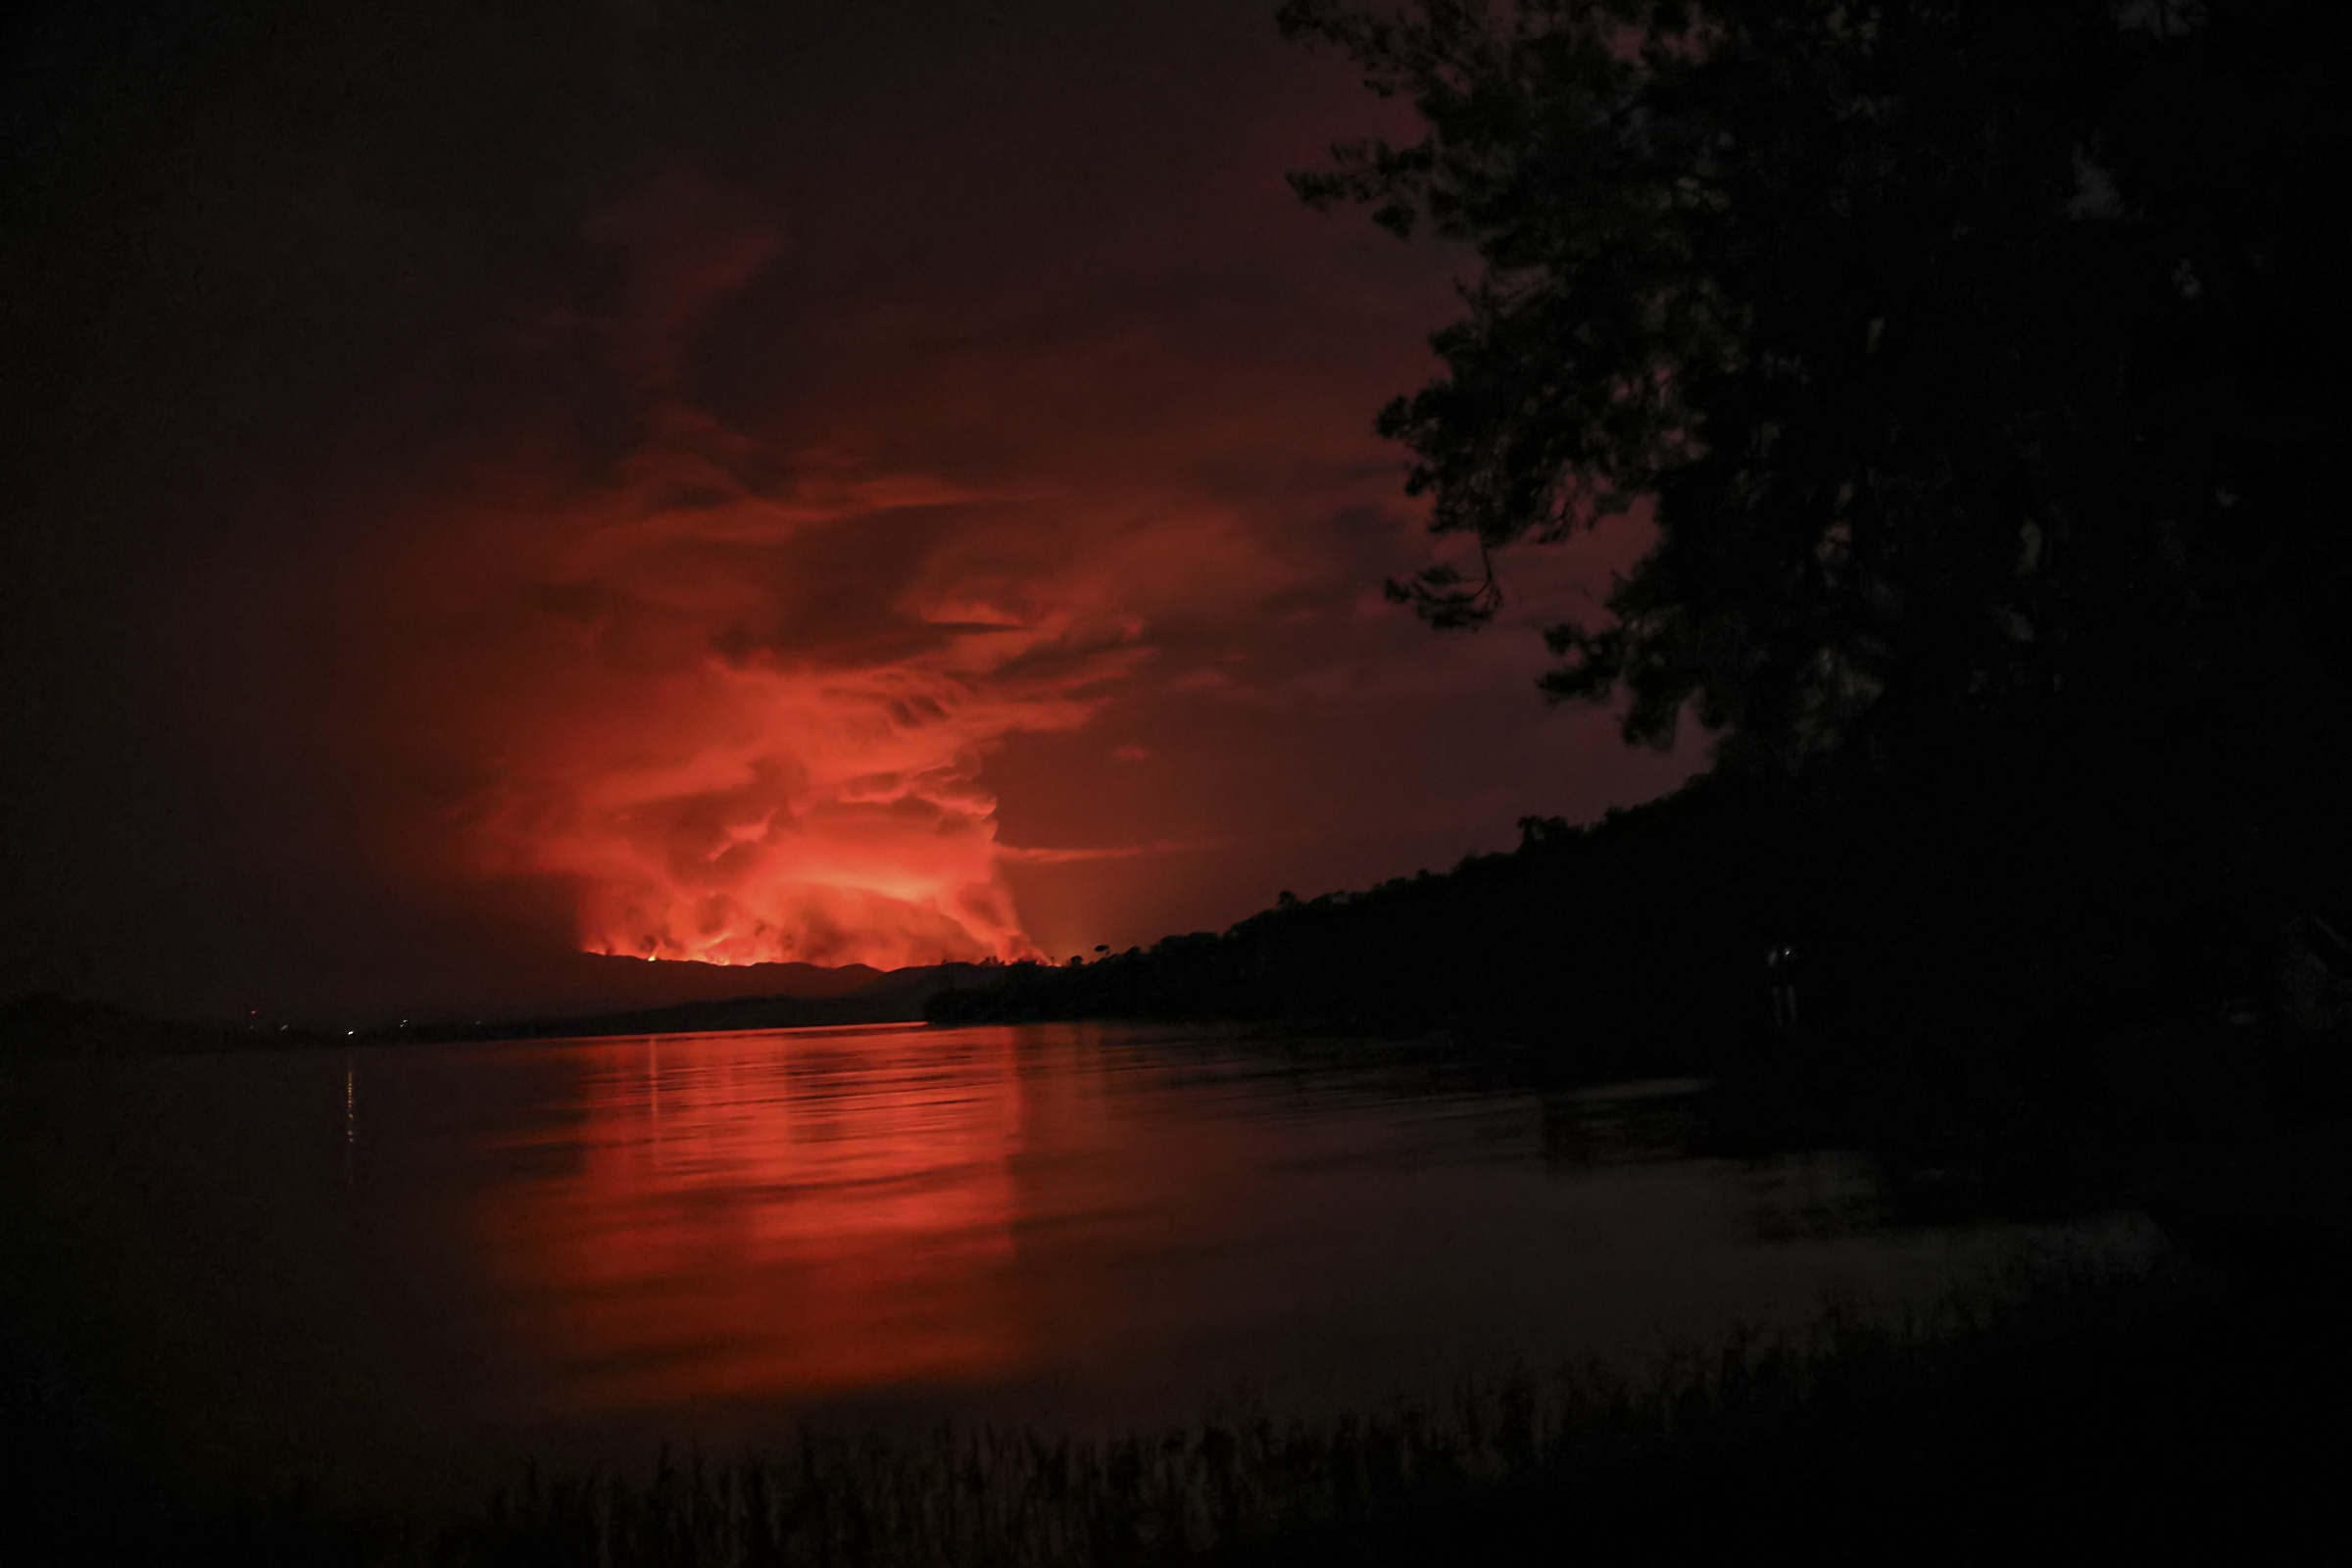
x,y
767,1215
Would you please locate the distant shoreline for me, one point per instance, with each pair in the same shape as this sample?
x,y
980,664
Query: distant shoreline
x,y
49,1025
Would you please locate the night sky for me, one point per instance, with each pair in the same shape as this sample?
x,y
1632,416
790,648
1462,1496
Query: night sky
x,y
854,482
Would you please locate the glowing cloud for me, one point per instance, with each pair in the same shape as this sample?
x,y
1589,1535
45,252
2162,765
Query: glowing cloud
x,y
758,778
777,675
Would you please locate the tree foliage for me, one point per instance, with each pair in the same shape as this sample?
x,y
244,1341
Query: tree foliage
x,y
1963,348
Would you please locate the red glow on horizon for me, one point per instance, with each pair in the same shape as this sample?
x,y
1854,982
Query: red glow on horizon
x,y
766,808
834,495
847,827
762,678
732,678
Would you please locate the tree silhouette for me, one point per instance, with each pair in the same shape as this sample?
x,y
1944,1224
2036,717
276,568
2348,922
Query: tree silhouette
x,y
1982,362
1953,342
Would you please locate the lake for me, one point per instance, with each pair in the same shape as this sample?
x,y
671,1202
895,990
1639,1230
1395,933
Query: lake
x,y
403,1270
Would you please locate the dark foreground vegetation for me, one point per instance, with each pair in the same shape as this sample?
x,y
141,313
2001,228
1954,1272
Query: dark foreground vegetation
x,y
2123,1407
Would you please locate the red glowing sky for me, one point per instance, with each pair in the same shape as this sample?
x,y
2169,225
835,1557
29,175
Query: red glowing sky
x,y
873,484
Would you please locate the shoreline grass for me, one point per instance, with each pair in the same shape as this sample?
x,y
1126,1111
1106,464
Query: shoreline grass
x,y
2100,1398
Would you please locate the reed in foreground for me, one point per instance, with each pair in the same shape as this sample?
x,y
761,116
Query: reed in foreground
x,y
2107,1406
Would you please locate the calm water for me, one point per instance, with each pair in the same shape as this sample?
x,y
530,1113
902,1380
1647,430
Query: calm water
x,y
407,1268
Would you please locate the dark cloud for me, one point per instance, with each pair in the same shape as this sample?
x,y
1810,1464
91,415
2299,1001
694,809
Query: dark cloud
x,y
876,481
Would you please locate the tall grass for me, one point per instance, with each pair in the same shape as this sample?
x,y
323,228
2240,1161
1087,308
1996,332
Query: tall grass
x,y
2101,1398
2082,1376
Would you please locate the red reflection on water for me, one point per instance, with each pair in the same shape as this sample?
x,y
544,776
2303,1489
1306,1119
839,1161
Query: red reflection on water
x,y
769,1215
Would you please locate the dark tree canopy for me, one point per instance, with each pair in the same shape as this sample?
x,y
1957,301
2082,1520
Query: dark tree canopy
x,y
1981,357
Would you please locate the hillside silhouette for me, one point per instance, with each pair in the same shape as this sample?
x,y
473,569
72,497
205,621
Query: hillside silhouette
x,y
2022,988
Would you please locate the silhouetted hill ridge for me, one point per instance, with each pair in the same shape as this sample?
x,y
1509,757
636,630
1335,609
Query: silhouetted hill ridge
x,y
2015,901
